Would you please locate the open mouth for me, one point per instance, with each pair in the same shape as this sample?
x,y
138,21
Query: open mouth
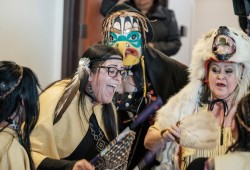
x,y
220,85
223,47
113,86
131,51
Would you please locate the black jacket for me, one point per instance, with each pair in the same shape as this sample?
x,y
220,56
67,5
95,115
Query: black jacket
x,y
166,33
167,75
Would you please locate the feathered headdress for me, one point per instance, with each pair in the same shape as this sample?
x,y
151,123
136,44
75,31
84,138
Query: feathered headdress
x,y
71,89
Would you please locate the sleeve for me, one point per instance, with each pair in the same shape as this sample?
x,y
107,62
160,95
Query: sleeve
x,y
167,75
43,143
14,157
197,164
42,138
155,126
171,45
54,164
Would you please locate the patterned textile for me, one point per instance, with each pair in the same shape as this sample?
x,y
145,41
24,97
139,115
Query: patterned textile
x,y
115,155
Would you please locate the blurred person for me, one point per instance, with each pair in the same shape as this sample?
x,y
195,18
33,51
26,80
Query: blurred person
x,y
19,111
243,24
238,154
77,117
166,33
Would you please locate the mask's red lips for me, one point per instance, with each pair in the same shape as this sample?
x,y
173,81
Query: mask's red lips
x,y
131,51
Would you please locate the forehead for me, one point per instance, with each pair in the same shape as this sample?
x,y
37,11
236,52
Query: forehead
x,y
223,64
124,24
115,62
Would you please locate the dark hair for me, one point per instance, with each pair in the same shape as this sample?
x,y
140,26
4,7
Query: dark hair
x,y
243,122
19,88
153,8
98,54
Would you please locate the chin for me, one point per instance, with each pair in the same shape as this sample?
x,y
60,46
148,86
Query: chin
x,y
220,96
107,101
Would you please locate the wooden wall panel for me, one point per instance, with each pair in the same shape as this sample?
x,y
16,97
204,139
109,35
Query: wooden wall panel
x,y
92,20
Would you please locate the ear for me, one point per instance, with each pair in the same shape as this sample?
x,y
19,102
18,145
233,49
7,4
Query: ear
x,y
90,77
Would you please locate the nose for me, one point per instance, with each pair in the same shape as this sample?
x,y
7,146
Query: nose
x,y
223,30
221,76
118,76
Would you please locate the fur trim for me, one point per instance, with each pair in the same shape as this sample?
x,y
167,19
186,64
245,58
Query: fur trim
x,y
199,131
185,102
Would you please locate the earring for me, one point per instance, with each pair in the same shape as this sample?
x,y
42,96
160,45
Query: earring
x,y
13,124
91,93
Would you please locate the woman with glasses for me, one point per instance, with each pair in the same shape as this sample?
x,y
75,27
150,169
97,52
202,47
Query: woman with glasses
x,y
78,118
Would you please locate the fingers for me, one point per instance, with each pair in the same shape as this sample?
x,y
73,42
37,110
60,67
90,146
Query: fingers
x,y
171,133
83,165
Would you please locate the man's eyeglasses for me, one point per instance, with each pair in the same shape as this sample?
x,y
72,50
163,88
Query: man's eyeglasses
x,y
113,71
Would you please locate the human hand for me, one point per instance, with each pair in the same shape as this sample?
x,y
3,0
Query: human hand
x,y
83,165
171,134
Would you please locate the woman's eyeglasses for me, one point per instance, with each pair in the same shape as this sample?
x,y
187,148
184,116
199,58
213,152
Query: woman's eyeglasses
x,y
113,71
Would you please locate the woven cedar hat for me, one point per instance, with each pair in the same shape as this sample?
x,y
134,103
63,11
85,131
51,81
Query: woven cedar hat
x,y
129,11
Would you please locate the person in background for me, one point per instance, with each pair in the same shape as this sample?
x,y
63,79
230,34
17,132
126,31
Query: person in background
x,y
243,24
238,154
151,74
166,33
77,118
219,78
19,111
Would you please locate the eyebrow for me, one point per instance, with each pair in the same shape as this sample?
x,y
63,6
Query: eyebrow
x,y
228,65
114,65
